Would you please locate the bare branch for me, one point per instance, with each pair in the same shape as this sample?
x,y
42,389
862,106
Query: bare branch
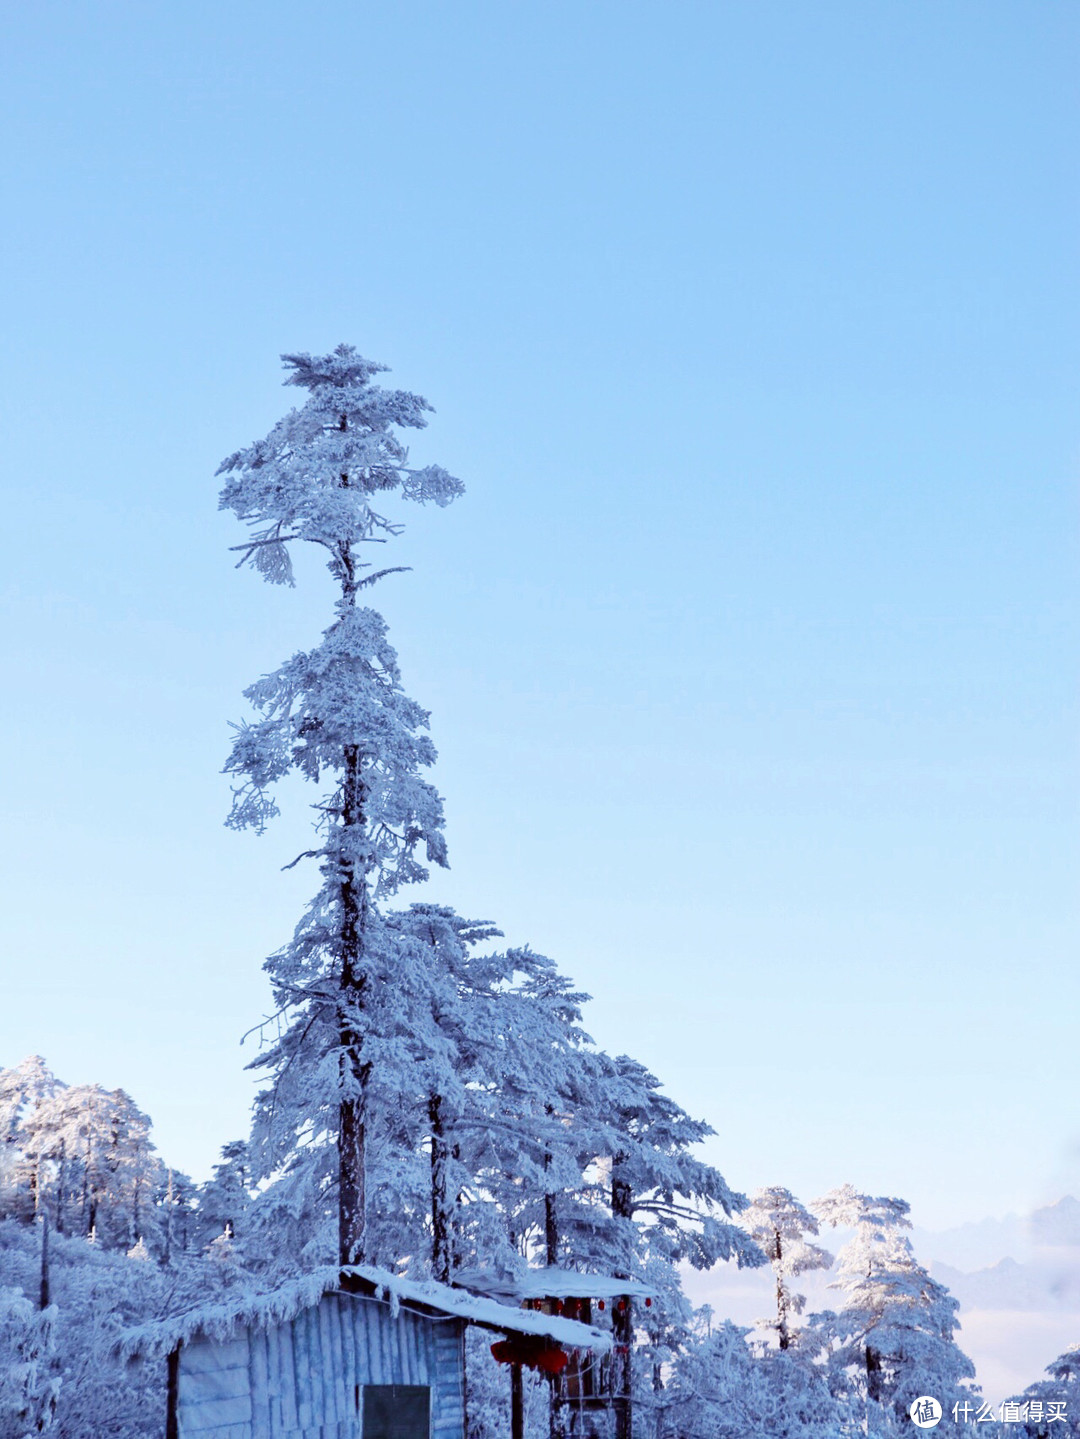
x,y
307,854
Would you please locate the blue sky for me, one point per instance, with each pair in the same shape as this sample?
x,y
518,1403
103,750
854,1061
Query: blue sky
x,y
751,650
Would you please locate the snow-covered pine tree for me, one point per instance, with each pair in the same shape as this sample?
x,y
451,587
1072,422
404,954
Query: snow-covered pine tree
x,y
777,1222
29,1384
427,1034
225,1198
721,1389
517,1141
644,1204
84,1151
893,1339
475,1059
1051,1407
24,1090
338,711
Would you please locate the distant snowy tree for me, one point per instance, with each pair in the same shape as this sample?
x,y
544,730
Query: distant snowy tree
x,y
893,1339
225,1198
778,1223
721,1389
84,1150
1051,1407
107,1175
24,1090
338,711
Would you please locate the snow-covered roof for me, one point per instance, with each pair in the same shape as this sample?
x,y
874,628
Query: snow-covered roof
x,y
488,1313
569,1284
552,1283
278,1306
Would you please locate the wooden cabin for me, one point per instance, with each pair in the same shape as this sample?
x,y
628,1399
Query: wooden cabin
x,y
380,1359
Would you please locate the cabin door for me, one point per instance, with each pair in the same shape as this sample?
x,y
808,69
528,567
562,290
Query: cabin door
x,y
396,1411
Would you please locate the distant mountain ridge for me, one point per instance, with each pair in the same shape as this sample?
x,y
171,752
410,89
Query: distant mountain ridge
x,y
1030,1263
985,1243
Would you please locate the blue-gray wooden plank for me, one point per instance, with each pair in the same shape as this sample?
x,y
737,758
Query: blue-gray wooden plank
x,y
331,1371
383,1340
302,1369
372,1322
316,1379
342,1390
260,1382
215,1414
205,1384
347,1338
199,1354
290,1418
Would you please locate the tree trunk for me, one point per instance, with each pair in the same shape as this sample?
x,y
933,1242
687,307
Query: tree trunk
x,y
440,1222
874,1375
557,1396
172,1395
517,1403
44,1295
168,1221
622,1321
352,1110
61,1181
352,1113
551,1218
781,1296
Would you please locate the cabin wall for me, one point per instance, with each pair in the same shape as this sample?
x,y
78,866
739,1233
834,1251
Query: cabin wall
x,y
299,1380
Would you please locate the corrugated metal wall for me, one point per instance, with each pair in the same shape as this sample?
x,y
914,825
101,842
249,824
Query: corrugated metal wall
x,y
300,1379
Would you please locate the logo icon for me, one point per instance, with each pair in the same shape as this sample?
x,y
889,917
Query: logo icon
x,y
925,1412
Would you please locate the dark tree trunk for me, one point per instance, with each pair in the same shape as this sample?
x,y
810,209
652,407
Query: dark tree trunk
x,y
352,1113
622,1320
61,1181
440,1220
168,1221
551,1231
781,1296
517,1403
456,1245
352,1110
874,1374
551,1218
44,1295
172,1395
557,1397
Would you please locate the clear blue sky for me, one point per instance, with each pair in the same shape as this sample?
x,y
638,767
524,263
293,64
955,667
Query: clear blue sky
x,y
751,650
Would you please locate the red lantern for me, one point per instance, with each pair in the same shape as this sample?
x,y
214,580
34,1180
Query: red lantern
x,y
601,1304
552,1361
532,1350
648,1304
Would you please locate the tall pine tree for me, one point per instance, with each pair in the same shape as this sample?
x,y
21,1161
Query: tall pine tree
x,y
337,712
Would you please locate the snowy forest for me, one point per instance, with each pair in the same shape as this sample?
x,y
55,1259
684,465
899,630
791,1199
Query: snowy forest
x,y
431,1101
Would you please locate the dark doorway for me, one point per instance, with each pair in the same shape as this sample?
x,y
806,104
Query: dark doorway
x,y
397,1411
